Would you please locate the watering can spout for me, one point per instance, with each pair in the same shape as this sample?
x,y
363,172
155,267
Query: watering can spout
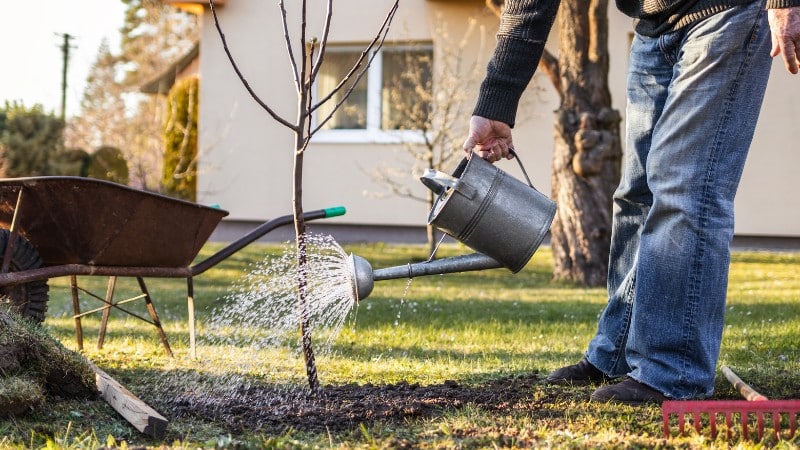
x,y
363,277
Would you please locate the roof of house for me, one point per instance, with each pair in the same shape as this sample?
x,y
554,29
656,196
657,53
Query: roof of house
x,y
163,82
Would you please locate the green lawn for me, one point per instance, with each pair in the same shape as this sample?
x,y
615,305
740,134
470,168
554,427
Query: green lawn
x,y
472,328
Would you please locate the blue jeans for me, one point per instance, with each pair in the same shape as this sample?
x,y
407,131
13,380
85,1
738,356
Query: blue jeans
x,y
694,97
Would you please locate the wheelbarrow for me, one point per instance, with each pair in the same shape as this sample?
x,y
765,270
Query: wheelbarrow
x,y
68,226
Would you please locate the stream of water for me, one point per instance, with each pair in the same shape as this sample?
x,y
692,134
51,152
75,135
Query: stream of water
x,y
252,334
262,311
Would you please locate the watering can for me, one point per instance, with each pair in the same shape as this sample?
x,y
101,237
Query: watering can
x,y
503,219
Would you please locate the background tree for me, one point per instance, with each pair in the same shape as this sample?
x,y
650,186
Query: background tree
x,y
30,141
434,113
587,151
102,119
153,36
179,176
113,110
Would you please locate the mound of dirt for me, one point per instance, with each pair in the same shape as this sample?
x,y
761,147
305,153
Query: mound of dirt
x,y
342,407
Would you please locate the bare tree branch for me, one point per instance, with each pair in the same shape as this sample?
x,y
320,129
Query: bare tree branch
x,y
549,65
250,90
292,59
323,43
303,48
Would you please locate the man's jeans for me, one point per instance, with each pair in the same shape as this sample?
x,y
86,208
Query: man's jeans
x,y
694,96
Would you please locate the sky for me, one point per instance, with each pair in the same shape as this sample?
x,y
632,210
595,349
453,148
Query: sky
x,y
30,48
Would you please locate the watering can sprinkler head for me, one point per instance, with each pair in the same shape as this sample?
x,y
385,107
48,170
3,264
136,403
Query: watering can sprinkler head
x,y
361,277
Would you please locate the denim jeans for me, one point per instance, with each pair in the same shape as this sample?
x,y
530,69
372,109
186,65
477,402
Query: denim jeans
x,y
694,97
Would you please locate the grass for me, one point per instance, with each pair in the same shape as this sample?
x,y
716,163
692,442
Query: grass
x,y
469,327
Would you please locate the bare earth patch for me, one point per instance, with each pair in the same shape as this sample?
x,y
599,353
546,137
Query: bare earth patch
x,y
336,408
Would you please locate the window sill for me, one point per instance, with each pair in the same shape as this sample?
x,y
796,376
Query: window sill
x,y
368,137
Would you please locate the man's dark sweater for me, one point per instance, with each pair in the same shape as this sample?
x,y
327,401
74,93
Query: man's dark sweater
x,y
525,25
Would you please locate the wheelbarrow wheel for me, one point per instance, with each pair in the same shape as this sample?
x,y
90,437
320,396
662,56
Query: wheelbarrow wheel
x,y
28,299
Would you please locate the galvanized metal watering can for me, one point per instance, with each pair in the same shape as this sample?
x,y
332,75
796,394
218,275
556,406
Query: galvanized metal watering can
x,y
503,219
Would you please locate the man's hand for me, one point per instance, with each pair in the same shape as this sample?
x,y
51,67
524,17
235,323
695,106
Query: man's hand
x,y
785,26
489,139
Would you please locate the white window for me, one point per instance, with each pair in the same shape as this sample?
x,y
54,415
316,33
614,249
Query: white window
x,y
390,103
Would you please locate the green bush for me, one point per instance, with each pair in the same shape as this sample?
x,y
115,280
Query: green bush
x,y
108,163
73,162
179,177
30,139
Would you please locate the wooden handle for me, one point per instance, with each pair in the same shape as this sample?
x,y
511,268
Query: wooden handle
x,y
744,389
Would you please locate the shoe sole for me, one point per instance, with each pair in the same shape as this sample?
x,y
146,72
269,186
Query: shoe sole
x,y
627,402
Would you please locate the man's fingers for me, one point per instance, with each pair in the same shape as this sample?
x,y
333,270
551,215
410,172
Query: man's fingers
x,y
785,27
790,55
469,144
776,48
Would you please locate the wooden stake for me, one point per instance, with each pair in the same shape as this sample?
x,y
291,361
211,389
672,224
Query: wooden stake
x,y
138,413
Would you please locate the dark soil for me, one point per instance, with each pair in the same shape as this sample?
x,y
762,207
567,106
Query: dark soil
x,y
338,408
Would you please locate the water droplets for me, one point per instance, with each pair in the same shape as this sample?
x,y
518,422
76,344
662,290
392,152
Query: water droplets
x,y
263,310
250,340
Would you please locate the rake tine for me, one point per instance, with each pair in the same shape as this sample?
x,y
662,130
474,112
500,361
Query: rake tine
x,y
792,423
665,416
712,421
728,423
744,425
760,422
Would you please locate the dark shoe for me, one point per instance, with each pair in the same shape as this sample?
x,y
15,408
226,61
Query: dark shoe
x,y
578,374
628,392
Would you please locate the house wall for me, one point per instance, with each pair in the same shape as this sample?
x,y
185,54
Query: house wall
x,y
246,156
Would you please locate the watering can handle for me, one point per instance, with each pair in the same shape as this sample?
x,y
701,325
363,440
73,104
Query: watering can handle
x,y
519,161
439,182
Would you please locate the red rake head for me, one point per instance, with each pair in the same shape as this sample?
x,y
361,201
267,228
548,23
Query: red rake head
x,y
776,414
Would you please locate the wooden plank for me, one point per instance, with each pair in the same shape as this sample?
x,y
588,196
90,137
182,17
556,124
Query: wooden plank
x,y
138,413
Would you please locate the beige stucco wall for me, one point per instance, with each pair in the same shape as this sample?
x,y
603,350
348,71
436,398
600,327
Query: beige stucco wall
x,y
246,157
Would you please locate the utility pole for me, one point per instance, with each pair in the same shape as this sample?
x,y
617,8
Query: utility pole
x,y
65,47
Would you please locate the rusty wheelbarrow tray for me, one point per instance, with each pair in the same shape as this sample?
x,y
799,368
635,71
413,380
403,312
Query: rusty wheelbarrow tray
x,y
84,226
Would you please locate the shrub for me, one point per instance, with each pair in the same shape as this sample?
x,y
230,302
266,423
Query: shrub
x,y
108,163
179,177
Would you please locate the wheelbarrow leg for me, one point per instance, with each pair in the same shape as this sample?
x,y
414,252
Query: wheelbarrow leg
x,y
76,308
190,306
152,310
112,282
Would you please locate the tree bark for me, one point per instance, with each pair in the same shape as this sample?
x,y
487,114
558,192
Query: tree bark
x,y
587,152
300,242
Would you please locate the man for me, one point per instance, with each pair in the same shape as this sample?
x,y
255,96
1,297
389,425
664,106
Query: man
x,y
697,74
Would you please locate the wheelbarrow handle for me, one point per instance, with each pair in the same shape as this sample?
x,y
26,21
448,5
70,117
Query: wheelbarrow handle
x,y
263,229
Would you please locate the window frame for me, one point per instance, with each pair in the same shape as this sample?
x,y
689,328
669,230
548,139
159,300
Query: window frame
x,y
373,133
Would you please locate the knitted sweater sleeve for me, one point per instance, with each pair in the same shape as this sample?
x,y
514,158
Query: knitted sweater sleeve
x,y
524,27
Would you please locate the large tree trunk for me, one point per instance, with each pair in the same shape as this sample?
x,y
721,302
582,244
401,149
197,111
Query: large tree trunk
x,y
586,157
